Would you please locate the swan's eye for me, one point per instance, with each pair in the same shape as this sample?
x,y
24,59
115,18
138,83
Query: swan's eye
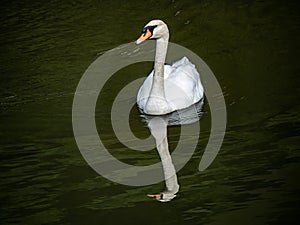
x,y
144,31
150,28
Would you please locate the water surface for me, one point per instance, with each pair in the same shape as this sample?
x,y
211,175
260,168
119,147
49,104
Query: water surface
x,y
252,48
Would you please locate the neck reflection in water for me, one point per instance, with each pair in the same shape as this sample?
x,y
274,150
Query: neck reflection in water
x,y
158,128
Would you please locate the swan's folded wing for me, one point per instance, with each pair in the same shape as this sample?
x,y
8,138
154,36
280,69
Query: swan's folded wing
x,y
183,88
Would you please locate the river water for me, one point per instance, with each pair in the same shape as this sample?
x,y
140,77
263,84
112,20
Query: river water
x,y
251,46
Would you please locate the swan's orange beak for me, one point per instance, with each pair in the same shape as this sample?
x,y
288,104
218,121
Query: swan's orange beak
x,y
144,37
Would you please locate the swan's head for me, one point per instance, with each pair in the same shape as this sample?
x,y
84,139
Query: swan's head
x,y
155,29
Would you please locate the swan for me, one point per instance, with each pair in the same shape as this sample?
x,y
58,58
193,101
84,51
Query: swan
x,y
167,88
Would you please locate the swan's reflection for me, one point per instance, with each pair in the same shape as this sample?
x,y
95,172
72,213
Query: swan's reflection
x,y
158,128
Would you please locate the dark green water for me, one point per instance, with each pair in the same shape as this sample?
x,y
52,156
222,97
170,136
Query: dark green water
x,y
252,48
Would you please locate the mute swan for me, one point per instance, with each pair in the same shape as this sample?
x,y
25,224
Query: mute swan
x,y
168,87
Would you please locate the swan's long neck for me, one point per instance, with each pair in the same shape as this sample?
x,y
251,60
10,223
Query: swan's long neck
x,y
157,103
160,57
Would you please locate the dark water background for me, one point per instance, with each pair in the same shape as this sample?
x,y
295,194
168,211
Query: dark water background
x,y
252,48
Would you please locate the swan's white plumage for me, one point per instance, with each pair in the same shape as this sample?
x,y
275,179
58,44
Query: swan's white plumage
x,y
182,86
168,88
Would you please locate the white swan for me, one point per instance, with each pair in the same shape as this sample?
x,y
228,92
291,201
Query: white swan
x,y
168,87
